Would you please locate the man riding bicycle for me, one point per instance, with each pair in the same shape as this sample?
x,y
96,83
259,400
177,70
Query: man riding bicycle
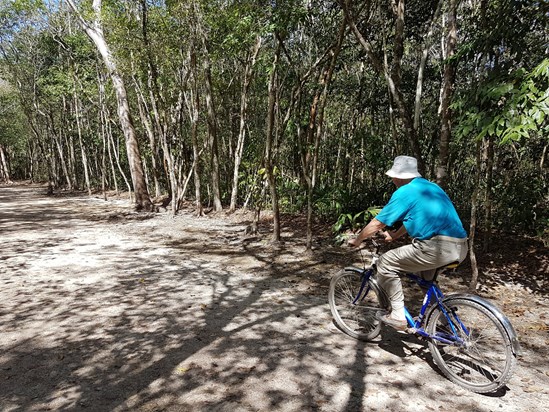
x,y
429,217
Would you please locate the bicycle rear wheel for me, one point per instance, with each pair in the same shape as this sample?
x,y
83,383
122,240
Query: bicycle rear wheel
x,y
355,319
480,357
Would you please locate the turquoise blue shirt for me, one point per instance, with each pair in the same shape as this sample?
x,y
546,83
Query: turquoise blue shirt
x,y
425,210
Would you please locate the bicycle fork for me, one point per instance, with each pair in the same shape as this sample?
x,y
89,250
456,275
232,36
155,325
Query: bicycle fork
x,y
365,278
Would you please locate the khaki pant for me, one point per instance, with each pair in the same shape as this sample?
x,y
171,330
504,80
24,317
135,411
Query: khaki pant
x,y
422,257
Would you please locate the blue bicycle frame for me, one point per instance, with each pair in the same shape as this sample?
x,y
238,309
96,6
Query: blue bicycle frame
x,y
433,293
365,278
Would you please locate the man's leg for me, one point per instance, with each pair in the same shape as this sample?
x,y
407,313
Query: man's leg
x,y
414,258
389,266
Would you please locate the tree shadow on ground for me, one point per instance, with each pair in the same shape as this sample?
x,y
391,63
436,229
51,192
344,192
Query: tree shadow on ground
x,y
145,320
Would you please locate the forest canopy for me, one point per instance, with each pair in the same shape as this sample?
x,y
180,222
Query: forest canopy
x,y
298,106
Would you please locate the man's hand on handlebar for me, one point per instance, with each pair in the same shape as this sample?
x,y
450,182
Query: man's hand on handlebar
x,y
389,235
369,230
355,242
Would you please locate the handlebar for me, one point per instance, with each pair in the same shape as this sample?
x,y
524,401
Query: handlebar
x,y
376,245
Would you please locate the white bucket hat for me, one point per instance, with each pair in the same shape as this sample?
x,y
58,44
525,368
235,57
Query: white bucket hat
x,y
404,167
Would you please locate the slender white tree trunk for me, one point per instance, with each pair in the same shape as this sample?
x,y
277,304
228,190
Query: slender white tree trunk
x,y
95,33
243,115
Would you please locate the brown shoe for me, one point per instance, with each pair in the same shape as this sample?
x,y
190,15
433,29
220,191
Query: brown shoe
x,y
386,318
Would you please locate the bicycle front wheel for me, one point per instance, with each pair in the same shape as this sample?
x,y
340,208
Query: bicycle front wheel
x,y
355,315
470,345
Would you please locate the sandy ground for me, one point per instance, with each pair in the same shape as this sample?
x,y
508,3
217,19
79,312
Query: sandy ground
x,y
103,309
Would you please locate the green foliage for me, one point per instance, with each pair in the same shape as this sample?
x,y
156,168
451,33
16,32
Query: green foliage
x,y
520,194
292,196
286,15
509,107
353,222
236,27
498,93
542,230
23,7
13,133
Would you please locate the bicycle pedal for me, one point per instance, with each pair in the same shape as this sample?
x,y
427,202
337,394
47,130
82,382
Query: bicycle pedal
x,y
411,331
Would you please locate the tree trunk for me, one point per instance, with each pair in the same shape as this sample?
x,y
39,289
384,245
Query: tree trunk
x,y
146,122
243,117
398,45
95,33
108,136
103,162
446,96
421,69
212,132
57,141
269,145
392,83
80,141
162,129
4,165
488,192
67,136
193,104
117,158
473,226
315,130
160,118
199,33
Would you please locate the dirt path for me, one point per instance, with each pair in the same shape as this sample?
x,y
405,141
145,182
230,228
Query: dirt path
x,y
105,310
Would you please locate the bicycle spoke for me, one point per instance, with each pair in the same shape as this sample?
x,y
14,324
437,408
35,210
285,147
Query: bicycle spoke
x,y
479,358
355,315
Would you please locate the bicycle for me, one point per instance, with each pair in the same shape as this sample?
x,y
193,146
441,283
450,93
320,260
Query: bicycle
x,y
472,342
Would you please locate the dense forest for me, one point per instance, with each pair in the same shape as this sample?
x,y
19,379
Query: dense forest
x,y
296,106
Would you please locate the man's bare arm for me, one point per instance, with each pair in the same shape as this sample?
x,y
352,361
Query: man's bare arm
x,y
369,230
